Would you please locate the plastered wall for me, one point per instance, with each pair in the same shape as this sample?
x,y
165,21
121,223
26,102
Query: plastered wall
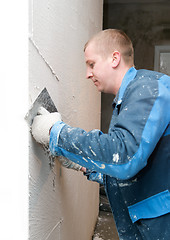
x,y
63,204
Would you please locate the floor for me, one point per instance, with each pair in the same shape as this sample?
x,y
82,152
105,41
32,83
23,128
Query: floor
x,y
105,227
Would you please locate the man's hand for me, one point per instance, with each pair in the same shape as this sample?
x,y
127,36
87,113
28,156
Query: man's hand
x,y
42,124
69,164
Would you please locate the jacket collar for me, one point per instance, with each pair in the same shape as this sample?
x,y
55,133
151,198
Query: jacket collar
x,y
129,76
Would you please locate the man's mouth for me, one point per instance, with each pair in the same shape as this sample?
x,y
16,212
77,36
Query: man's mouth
x,y
95,82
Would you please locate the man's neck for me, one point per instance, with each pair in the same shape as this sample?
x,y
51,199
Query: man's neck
x,y
119,77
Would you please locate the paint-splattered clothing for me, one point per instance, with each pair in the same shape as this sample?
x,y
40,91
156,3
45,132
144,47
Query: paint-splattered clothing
x,y
133,159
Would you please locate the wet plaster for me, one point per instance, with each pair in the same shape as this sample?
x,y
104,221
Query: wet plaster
x,y
44,59
44,185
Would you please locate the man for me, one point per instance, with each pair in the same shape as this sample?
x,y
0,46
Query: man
x,y
133,159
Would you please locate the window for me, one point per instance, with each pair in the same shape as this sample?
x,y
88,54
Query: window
x,y
162,59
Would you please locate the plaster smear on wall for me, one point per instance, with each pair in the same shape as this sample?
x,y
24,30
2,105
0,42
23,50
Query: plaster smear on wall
x,y
45,216
58,32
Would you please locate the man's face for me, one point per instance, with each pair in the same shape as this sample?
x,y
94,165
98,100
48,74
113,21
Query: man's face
x,y
99,69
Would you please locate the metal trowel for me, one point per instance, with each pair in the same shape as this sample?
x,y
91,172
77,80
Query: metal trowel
x,y
43,100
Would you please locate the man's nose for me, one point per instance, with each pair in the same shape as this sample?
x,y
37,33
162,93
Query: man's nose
x,y
89,74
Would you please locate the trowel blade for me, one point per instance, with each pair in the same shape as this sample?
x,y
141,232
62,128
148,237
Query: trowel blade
x,y
43,100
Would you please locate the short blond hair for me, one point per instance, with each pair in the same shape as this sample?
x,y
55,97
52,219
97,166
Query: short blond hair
x,y
110,40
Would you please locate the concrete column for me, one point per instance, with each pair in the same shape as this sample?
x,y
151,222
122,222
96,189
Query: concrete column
x,y
63,204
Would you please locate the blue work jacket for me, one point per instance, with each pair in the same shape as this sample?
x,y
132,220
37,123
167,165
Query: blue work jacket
x,y
133,159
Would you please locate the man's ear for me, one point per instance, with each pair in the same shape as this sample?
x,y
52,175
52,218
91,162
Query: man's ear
x,y
115,58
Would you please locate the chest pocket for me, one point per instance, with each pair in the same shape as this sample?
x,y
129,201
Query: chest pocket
x,y
151,207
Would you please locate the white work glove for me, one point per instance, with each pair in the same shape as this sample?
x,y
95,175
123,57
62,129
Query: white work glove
x,y
42,124
69,164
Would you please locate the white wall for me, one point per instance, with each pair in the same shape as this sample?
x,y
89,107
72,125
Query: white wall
x,y
63,204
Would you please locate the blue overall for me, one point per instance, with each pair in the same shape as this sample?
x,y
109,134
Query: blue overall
x,y
133,159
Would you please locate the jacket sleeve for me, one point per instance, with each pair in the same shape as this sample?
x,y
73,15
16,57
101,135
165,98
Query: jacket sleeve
x,y
137,124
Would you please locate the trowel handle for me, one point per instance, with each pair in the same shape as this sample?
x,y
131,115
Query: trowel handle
x,y
42,111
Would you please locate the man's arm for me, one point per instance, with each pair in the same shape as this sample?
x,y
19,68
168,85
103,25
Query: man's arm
x,y
125,149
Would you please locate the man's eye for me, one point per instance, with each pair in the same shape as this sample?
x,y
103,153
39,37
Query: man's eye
x,y
91,65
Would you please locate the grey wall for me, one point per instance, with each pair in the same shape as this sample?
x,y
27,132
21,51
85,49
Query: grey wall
x,y
147,23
